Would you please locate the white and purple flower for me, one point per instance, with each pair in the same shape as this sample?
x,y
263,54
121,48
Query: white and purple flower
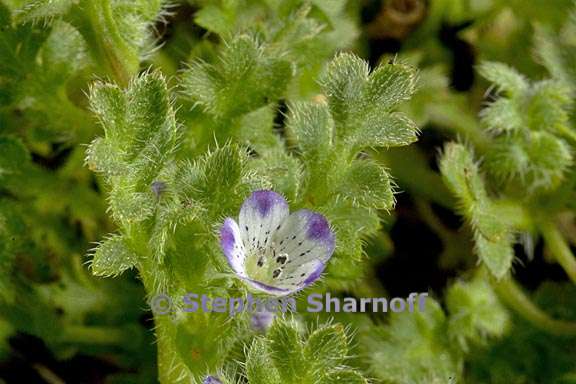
x,y
275,251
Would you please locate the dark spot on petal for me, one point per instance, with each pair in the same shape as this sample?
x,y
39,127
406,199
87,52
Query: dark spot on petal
x,y
281,259
276,273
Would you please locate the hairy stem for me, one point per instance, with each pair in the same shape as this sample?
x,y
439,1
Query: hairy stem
x,y
559,248
96,23
509,292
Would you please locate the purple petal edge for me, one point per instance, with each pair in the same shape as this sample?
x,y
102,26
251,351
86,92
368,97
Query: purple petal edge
x,y
227,240
318,229
263,201
268,288
314,275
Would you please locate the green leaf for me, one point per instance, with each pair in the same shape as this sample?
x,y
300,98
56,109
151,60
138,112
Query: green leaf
x,y
461,174
550,158
492,236
347,376
413,348
257,131
390,84
282,171
223,170
286,350
135,21
345,82
475,313
548,106
215,19
503,115
63,53
538,160
312,126
361,102
43,9
327,347
493,240
112,257
557,52
223,182
246,77
259,366
109,104
148,112
367,184
129,206
384,130
140,130
506,78
102,156
352,225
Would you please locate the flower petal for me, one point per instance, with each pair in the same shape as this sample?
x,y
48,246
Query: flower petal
x,y
304,236
269,289
211,380
232,245
260,215
301,276
261,321
300,249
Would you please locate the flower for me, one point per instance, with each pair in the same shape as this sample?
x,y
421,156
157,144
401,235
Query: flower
x,y
261,321
274,251
211,380
158,187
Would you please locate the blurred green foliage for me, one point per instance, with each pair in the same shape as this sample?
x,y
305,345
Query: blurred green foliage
x,y
129,130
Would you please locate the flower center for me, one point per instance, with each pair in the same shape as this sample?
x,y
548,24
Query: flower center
x,y
266,264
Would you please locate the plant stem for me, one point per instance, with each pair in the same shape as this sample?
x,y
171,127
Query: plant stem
x,y
95,21
168,362
559,248
509,291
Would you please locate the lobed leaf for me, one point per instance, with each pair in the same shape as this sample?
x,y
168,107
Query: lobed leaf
x,y
112,257
506,78
259,366
286,351
327,347
367,184
312,126
475,313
